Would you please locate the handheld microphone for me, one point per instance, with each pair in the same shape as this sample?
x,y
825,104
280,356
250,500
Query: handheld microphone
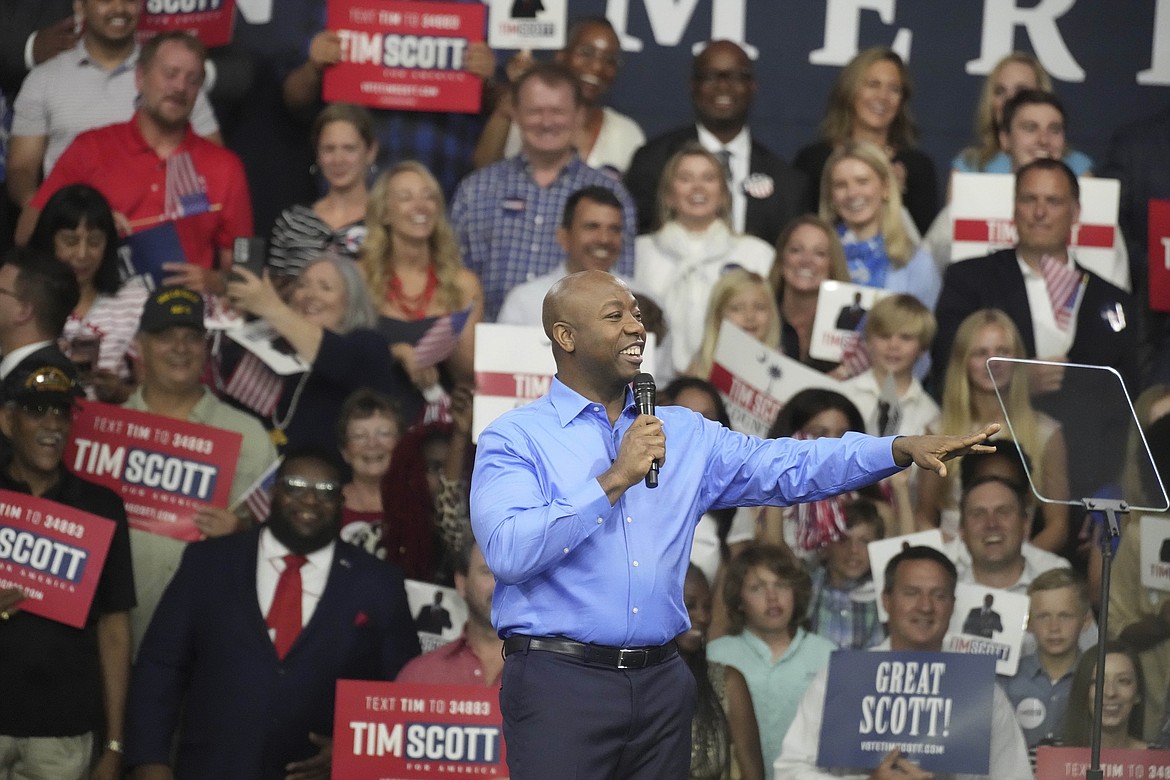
x,y
644,396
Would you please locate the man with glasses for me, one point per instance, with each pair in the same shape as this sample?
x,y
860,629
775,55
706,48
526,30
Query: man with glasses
x,y
61,684
172,347
765,191
252,635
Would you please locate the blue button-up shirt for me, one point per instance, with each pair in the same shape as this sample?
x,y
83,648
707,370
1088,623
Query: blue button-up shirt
x,y
506,223
569,564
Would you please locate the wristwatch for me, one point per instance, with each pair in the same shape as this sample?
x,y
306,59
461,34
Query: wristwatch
x,y
114,745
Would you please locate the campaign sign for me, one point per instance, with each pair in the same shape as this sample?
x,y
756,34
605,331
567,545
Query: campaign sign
x,y
54,553
262,340
982,208
1159,255
934,707
410,731
881,551
1072,763
756,380
527,24
1155,552
988,621
164,469
841,308
514,366
439,613
407,56
209,20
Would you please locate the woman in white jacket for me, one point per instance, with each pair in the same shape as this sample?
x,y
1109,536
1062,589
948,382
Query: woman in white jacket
x,y
679,264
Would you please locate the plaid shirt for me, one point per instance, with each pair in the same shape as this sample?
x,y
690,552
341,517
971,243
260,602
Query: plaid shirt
x,y
506,223
834,613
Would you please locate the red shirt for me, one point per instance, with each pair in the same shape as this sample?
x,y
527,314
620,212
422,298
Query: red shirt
x,y
455,663
117,161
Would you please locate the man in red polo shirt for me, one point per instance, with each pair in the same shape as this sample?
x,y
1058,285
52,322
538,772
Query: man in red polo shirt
x,y
156,172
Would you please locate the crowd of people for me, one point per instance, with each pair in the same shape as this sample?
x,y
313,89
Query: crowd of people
x,y
218,658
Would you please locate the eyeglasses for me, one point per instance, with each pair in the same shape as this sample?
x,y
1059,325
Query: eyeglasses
x,y
732,76
40,411
591,53
299,487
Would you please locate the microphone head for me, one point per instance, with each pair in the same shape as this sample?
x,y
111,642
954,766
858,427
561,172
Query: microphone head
x,y
644,387
643,380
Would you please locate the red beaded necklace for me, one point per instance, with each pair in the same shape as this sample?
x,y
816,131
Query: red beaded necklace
x,y
413,306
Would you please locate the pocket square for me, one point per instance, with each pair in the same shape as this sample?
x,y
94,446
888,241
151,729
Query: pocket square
x,y
360,619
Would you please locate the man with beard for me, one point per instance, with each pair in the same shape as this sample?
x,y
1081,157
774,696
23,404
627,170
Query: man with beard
x,y
765,191
61,683
253,634
88,85
476,657
157,173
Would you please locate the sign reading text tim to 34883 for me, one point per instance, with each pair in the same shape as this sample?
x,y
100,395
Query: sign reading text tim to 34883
x,y
405,55
164,469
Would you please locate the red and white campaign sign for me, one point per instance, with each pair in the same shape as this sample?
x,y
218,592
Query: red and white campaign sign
x,y
54,553
982,209
408,731
210,20
408,56
1159,255
1071,763
514,366
164,469
756,380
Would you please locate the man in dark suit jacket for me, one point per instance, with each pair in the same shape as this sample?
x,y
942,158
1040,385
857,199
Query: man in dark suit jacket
x,y
766,192
983,621
1046,206
255,694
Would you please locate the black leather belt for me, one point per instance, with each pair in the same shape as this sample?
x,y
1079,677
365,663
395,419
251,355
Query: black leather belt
x,y
615,657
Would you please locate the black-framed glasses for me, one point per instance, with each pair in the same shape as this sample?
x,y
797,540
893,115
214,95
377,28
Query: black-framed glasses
x,y
744,76
299,487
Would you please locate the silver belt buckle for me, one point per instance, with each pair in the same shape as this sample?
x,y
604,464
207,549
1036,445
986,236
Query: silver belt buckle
x,y
631,659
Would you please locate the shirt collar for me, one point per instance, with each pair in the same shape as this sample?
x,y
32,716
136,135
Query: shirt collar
x,y
271,549
569,168
139,140
741,145
569,404
81,53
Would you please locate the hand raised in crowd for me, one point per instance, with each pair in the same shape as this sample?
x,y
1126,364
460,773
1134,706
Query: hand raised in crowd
x,y
317,767
51,40
895,766
213,521
520,62
421,377
643,443
9,598
193,277
1046,379
324,50
251,293
462,399
931,452
480,61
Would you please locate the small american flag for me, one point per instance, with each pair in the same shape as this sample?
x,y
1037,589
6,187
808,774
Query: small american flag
x,y
186,192
437,344
255,385
1064,285
257,499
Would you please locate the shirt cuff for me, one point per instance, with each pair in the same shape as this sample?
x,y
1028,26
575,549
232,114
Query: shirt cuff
x,y
590,504
28,51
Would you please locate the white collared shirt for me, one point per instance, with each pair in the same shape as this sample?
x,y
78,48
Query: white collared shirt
x,y
1050,339
270,565
13,358
740,165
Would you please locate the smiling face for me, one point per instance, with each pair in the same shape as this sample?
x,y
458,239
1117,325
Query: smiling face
x,y
805,259
169,85
343,155
173,358
723,87
858,196
598,333
1122,693
696,194
750,309
109,22
369,445
595,56
878,98
992,525
919,601
990,341
319,296
1037,131
547,117
412,206
38,435
306,505
594,239
767,602
82,249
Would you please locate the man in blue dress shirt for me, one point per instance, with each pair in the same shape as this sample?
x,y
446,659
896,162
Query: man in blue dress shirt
x,y
589,563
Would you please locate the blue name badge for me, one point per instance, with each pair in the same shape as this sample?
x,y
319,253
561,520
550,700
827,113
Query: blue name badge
x,y
935,707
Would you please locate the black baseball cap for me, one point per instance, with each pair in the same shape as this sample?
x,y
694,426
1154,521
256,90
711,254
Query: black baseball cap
x,y
171,307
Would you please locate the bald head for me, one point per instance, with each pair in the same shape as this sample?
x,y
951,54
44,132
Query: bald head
x,y
723,87
564,296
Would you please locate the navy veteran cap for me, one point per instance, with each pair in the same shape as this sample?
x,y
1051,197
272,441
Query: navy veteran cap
x,y
171,307
44,377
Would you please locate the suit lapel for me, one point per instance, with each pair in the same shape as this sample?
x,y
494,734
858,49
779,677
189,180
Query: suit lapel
x,y
243,571
1015,298
330,606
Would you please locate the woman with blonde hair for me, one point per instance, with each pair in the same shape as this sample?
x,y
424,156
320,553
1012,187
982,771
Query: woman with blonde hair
x,y
679,264
808,252
860,197
870,101
971,395
744,299
414,272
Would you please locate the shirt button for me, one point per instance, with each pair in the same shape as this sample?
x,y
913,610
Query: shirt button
x,y
597,408
538,220
566,549
635,563
629,519
635,610
600,520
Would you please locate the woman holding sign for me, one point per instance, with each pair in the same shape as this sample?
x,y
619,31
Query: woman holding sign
x,y
744,299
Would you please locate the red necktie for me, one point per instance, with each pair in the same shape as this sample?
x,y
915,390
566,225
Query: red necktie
x,y
285,614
